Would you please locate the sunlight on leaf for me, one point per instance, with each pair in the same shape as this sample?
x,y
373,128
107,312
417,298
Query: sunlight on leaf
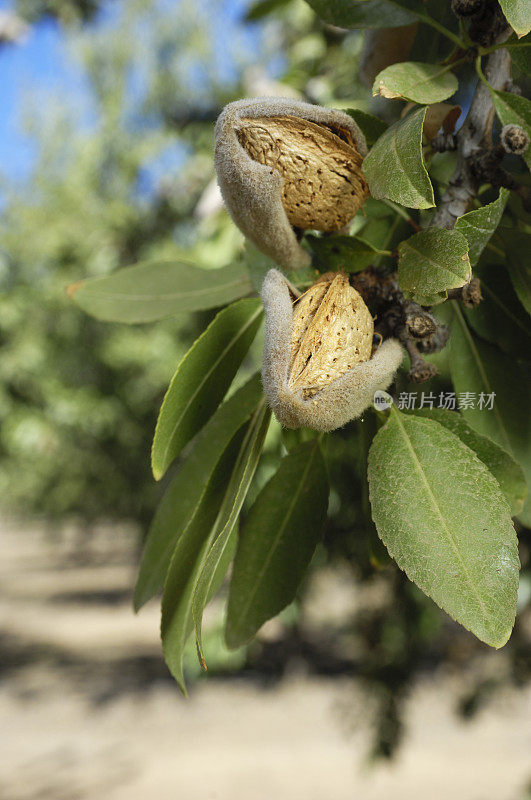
x,y
395,168
443,518
420,83
159,289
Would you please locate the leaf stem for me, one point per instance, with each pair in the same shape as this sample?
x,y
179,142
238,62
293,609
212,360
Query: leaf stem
x,y
481,74
452,66
464,33
441,28
485,51
400,211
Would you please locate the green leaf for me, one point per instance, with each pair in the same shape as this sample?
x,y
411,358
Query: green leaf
x,y
517,248
371,127
507,472
155,290
294,437
479,225
477,367
188,555
518,15
362,13
277,542
395,168
224,541
202,379
521,55
500,317
431,262
262,8
341,252
513,109
183,497
420,83
385,234
444,520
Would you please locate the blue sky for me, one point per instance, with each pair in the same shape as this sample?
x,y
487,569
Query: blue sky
x,y
40,66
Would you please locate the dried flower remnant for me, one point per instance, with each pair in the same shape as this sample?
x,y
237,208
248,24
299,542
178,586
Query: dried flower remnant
x,y
284,165
514,139
318,371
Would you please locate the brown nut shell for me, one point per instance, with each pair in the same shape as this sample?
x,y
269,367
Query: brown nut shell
x,y
293,335
332,331
262,180
323,186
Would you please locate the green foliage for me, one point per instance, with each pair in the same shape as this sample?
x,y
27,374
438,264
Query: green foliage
x,y
371,126
365,14
521,55
500,318
444,520
277,542
186,557
518,15
341,252
224,541
479,367
512,109
202,380
479,225
78,398
262,8
505,469
156,290
517,244
395,167
67,11
184,497
431,262
420,83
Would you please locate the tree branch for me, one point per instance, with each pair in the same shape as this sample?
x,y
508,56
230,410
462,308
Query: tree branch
x,y
474,136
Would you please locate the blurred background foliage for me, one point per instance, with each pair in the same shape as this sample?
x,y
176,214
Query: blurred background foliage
x,y
114,182
124,173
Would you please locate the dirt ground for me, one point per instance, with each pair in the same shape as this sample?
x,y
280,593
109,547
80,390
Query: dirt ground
x,y
87,711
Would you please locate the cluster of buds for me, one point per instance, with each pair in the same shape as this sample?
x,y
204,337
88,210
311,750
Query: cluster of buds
x,y
284,166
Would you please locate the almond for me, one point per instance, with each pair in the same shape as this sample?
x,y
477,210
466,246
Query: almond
x,y
284,165
322,183
332,331
318,371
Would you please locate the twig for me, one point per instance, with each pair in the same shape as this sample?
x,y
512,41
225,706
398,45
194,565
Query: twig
x,y
474,136
469,294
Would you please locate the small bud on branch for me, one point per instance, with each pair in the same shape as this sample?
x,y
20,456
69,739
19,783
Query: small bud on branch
x,y
514,139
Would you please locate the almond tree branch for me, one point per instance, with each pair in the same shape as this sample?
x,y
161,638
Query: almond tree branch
x,y
474,136
477,160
